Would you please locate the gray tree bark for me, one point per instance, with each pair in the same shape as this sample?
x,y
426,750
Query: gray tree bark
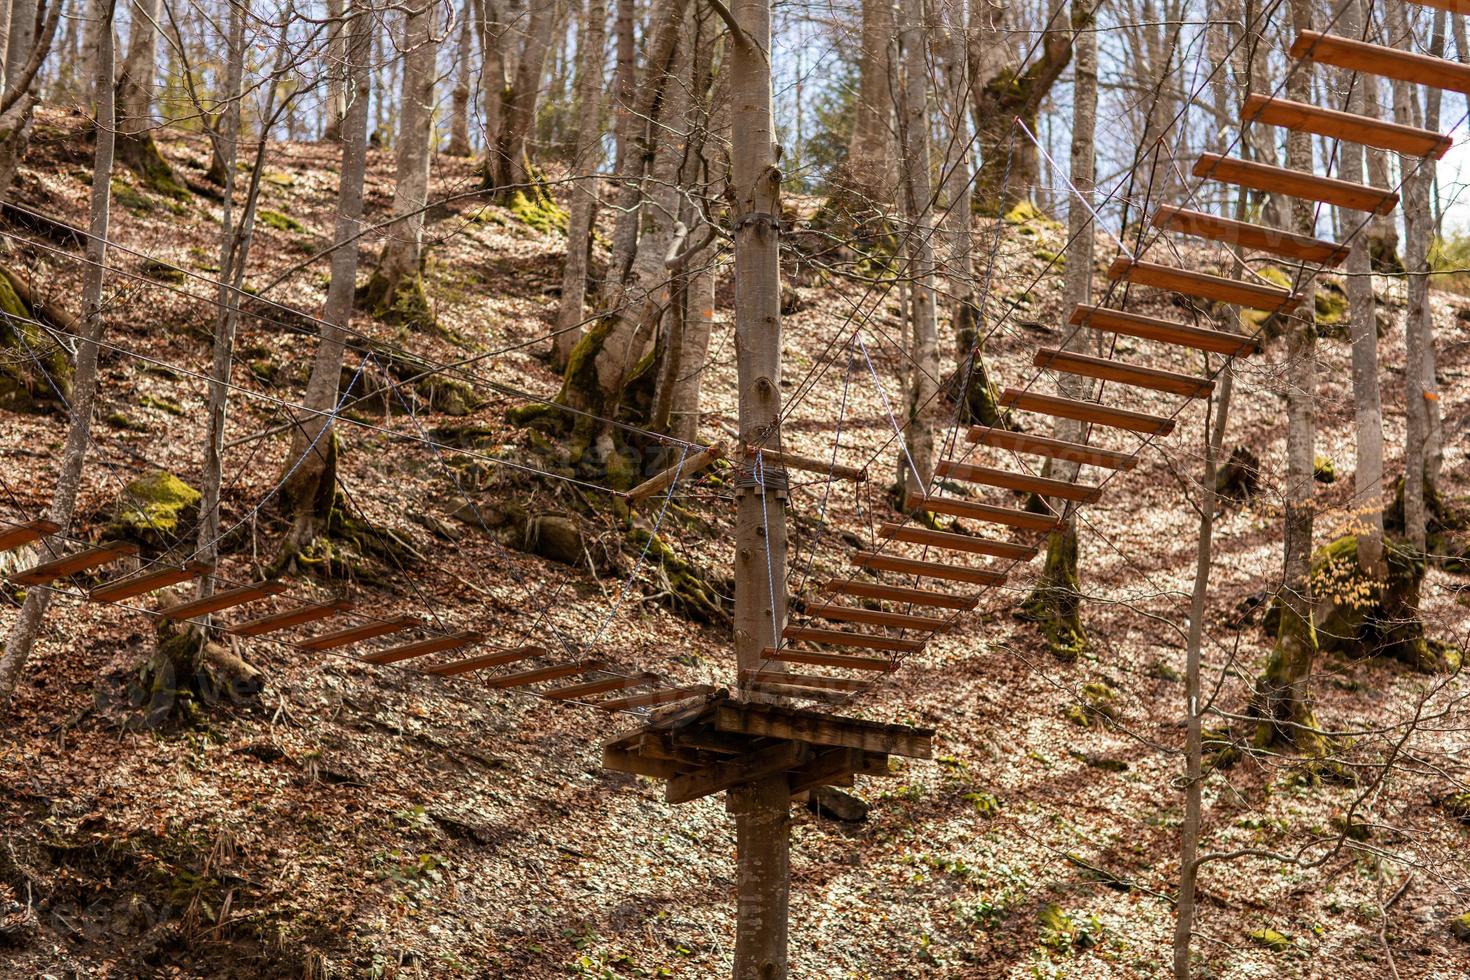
x,y
870,157
459,111
511,170
336,59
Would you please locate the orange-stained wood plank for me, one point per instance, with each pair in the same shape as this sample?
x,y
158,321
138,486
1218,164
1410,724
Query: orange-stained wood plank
x,y
1165,331
875,617
1084,411
898,593
1123,373
538,674
667,695
1453,6
1006,480
223,600
1073,452
486,661
815,658
13,537
1203,285
576,692
422,648
930,569
950,541
804,680
1342,52
1295,183
1243,235
297,616
57,568
842,638
356,634
160,578
1344,126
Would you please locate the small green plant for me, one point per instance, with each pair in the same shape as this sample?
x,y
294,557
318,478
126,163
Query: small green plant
x,y
985,804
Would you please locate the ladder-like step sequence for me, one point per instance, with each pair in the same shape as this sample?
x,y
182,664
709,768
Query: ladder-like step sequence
x,y
1346,126
160,578
875,617
950,541
1375,59
1270,299
899,594
929,569
297,616
1072,452
1085,411
984,513
21,534
50,571
1165,331
1257,237
1005,480
1123,373
227,599
1296,183
842,638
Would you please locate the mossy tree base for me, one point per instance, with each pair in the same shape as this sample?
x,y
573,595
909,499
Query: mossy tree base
x,y
1280,702
347,548
400,300
141,155
36,377
1446,530
186,675
1055,603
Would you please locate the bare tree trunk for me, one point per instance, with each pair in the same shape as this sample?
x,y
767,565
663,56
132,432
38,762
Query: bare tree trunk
x,y
309,485
5,8
1383,230
923,388
459,111
22,37
571,310
136,146
699,319
84,384
493,78
958,264
336,87
512,169
870,162
396,290
625,80
1434,442
762,823
1363,328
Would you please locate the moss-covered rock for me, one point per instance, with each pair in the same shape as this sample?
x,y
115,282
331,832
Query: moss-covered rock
x,y
1324,470
279,221
537,210
1270,939
1460,927
35,373
155,510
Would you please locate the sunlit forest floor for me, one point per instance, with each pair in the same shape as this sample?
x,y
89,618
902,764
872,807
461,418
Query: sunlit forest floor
x,y
372,821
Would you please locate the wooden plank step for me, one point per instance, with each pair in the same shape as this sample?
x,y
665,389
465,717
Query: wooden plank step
x,y
227,599
1203,285
66,565
842,638
1258,237
1006,480
296,616
538,674
898,593
1165,331
1295,183
876,617
160,578
356,634
950,541
799,692
13,537
1074,452
1084,411
1342,52
1129,374
649,699
985,513
422,648
931,569
1347,126
485,661
1453,6
804,680
577,692
815,658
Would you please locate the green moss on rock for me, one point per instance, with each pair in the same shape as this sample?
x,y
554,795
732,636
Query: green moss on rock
x,y
36,366
279,221
1270,939
155,510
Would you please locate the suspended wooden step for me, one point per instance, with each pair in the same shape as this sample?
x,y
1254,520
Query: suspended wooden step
x,y
986,513
1165,331
580,692
842,638
898,593
356,634
803,680
136,585
652,698
71,564
538,674
1344,126
1084,411
1203,285
1295,183
1453,6
1128,374
1072,452
931,569
950,541
486,661
817,659
798,692
1258,237
422,648
1375,59
298,616
227,599
13,537
1006,480
876,617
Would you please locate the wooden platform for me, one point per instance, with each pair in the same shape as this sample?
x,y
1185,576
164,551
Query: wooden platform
x,y
19,534
898,593
929,569
720,744
1257,237
1345,126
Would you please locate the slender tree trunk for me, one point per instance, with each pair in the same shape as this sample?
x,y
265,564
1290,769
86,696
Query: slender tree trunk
x,y
84,383
762,822
1383,230
512,169
870,162
1363,328
493,76
5,8
336,87
1434,441
699,319
958,265
459,111
923,388
396,290
571,311
310,484
22,37
625,80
